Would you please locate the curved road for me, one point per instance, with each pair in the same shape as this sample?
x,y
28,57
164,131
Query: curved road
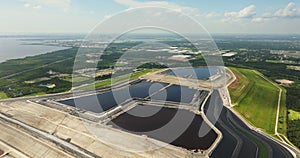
x,y
238,139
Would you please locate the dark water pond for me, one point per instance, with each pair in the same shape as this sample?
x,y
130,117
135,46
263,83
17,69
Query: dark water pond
x,y
195,73
183,132
176,93
105,101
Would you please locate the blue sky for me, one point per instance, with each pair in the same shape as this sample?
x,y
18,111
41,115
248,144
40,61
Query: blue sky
x,y
217,16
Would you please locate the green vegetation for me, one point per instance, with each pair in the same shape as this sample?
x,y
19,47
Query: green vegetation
x,y
282,120
239,86
273,61
125,77
293,132
279,61
30,78
3,95
258,104
60,61
293,115
54,85
151,65
293,105
26,80
273,66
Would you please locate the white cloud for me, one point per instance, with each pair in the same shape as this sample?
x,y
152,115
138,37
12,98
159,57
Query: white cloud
x,y
212,15
107,16
37,4
258,20
247,12
290,11
28,5
133,3
36,7
186,10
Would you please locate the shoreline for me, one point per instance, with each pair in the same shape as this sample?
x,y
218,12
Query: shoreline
x,y
15,48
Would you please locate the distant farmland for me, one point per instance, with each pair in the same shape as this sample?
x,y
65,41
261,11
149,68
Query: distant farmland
x,y
256,100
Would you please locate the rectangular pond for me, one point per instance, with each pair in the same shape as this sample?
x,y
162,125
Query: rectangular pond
x,y
174,126
176,93
102,102
200,73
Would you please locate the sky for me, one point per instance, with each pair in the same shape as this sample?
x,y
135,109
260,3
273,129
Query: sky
x,y
217,16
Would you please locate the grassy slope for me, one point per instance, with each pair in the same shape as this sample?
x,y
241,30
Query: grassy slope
x,y
239,87
256,99
3,95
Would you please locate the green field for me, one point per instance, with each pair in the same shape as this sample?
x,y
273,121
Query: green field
x,y
280,62
274,61
256,99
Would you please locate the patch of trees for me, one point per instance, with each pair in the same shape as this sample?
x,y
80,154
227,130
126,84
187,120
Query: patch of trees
x,y
271,70
293,132
250,44
293,98
23,89
151,65
103,77
293,102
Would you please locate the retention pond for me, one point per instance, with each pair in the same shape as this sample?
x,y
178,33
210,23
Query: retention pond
x,y
200,73
104,101
171,125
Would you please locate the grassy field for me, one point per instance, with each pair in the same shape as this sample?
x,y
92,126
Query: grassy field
x,y
279,61
255,99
